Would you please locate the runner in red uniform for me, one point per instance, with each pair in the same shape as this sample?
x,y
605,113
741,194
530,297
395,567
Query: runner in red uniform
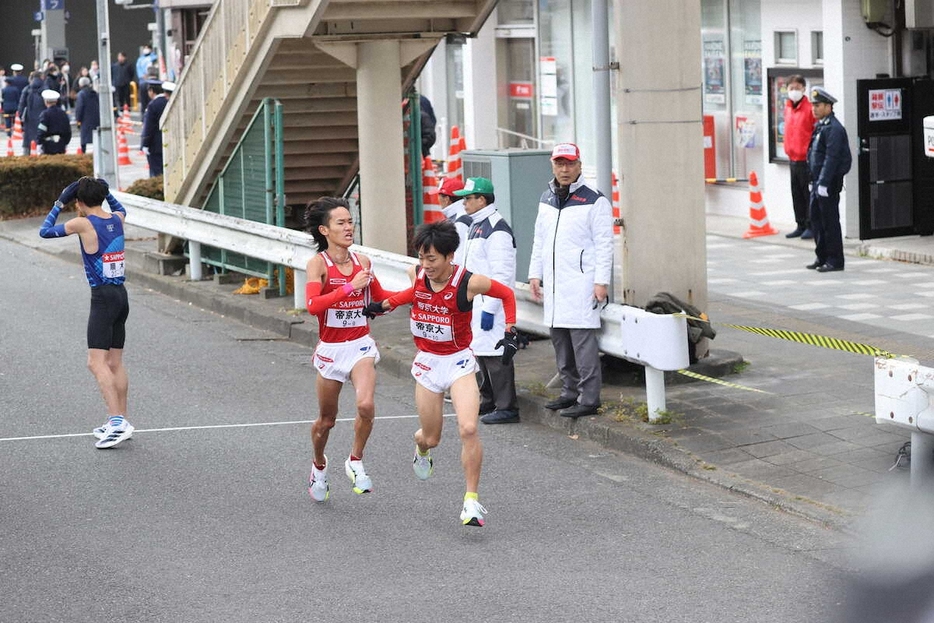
x,y
442,302
340,283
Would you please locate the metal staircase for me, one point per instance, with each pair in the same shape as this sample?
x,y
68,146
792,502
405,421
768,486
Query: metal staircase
x,y
289,50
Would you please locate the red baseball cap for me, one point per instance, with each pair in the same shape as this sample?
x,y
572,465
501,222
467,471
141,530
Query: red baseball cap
x,y
568,151
448,187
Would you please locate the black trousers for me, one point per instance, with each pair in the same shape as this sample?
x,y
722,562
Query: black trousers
x,y
800,195
825,225
497,385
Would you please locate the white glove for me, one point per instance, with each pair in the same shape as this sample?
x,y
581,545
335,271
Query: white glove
x,y
822,191
146,151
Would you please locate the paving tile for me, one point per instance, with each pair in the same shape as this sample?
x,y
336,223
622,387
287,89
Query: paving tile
x,y
768,448
791,458
726,457
790,429
808,442
805,485
704,443
761,471
747,436
837,447
815,463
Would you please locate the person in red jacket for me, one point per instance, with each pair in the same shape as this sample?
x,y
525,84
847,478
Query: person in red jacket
x,y
799,125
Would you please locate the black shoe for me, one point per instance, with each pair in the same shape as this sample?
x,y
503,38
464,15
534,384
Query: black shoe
x,y
560,403
484,410
501,417
580,411
814,264
795,233
807,235
827,268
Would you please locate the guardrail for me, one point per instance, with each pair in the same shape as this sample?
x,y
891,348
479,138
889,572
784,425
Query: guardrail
x,y
294,248
905,398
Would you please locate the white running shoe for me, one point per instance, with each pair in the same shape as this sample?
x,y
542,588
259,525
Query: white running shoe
x,y
423,465
318,483
472,515
112,435
356,473
100,431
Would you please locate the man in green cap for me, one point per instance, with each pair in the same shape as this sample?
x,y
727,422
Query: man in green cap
x,y
488,247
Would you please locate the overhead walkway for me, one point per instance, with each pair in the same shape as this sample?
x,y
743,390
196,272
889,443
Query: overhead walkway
x,y
338,67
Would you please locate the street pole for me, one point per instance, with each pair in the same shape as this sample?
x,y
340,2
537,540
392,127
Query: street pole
x,y
106,157
601,95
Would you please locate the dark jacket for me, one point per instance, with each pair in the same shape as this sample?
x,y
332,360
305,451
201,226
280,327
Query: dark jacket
x,y
121,74
19,81
829,157
30,107
10,96
54,132
87,113
151,136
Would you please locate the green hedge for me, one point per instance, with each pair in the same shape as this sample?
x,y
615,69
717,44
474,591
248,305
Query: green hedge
x,y
148,187
31,185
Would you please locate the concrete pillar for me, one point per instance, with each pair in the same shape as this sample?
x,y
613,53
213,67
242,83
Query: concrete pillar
x,y
382,168
658,93
851,52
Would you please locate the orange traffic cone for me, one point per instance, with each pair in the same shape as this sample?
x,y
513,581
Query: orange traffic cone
x,y
33,149
123,150
17,130
9,146
79,151
455,168
431,207
616,228
126,124
759,225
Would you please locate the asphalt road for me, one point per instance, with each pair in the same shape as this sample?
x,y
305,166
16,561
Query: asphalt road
x,y
204,514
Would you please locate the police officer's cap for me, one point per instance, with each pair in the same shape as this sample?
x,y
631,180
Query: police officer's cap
x,y
168,86
50,95
16,67
820,96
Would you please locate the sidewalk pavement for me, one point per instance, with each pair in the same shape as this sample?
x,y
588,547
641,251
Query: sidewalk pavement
x,y
794,427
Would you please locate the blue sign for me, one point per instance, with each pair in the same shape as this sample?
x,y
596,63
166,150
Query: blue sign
x,y
53,5
37,16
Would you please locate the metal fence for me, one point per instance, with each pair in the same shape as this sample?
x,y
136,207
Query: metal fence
x,y
252,187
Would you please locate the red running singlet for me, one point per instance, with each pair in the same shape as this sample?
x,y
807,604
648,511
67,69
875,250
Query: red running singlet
x,y
440,321
344,320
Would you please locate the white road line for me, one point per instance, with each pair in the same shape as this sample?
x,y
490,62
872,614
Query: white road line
x,y
211,426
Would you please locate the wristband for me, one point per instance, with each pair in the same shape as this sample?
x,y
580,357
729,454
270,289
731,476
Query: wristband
x,y
348,288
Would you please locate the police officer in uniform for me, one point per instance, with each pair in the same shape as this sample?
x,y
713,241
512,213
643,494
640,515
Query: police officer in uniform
x,y
54,127
829,160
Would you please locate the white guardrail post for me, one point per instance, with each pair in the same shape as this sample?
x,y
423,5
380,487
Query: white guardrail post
x,y
657,341
905,398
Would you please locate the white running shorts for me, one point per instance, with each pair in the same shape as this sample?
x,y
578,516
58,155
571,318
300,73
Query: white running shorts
x,y
438,372
334,361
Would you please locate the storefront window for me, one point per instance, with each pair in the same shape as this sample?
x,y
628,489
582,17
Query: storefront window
x,y
454,51
733,84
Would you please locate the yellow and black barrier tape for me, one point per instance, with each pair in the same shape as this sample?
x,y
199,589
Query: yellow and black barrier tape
x,y
821,341
710,379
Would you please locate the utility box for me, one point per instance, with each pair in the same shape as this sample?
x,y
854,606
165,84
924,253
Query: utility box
x,y
519,177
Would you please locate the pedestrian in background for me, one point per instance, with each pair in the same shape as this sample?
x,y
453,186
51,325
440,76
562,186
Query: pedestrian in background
x,y
799,125
151,136
100,236
9,95
340,283
31,106
121,74
488,247
572,256
54,131
829,159
451,206
18,79
87,111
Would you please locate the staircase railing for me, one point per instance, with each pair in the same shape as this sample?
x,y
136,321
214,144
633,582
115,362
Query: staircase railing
x,y
216,60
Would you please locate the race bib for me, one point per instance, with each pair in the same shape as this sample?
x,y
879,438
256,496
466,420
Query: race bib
x,y
431,331
343,318
113,265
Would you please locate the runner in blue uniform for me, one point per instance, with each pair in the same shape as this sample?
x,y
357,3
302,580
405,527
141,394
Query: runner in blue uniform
x,y
100,234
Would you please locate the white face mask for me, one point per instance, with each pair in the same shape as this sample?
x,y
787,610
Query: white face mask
x,y
795,95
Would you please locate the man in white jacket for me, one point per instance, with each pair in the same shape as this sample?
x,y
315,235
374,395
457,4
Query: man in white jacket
x,y
572,256
488,247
